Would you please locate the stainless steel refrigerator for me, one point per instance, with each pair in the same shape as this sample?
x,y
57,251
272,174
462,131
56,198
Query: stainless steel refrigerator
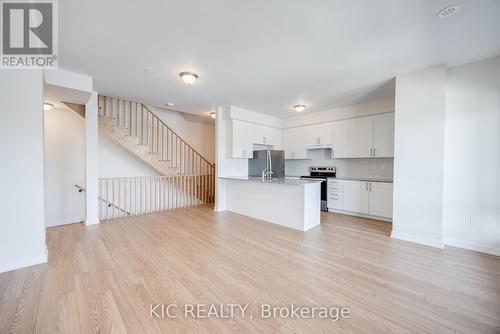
x,y
260,162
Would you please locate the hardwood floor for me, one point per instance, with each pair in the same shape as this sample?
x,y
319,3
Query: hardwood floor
x,y
104,278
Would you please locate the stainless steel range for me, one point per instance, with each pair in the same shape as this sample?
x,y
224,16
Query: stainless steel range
x,y
322,173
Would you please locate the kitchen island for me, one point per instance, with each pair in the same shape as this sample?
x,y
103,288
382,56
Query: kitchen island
x,y
289,202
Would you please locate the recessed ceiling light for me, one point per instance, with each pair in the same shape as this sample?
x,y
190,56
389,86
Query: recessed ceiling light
x,y
189,77
299,107
212,114
170,104
448,11
47,106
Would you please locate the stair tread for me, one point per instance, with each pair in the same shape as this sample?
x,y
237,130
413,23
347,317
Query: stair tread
x,y
121,134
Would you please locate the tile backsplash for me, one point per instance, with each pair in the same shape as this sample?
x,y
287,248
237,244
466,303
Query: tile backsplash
x,y
361,167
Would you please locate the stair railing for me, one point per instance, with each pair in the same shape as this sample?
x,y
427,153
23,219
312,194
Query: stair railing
x,y
108,205
153,132
132,196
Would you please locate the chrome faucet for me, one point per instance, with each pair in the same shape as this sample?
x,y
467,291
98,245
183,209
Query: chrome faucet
x,y
268,172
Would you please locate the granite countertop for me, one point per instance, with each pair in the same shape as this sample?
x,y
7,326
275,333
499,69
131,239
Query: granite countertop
x,y
365,179
286,180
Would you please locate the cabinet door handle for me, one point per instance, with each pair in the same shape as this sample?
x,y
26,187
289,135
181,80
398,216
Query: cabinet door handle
x,y
374,151
366,186
370,187
333,152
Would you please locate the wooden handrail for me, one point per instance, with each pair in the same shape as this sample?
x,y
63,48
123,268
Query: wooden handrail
x,y
191,147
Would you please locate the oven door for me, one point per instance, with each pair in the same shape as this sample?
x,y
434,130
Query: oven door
x,y
324,189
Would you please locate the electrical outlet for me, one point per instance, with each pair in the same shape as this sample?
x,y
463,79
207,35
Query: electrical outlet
x,y
474,220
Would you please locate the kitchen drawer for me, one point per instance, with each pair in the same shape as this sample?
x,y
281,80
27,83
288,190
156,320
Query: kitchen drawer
x,y
333,196
335,182
335,203
336,189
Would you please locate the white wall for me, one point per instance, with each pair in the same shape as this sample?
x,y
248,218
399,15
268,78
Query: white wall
x,y
254,117
418,156
472,157
201,136
64,166
114,161
22,227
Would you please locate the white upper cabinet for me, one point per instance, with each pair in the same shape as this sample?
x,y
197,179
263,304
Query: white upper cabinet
x,y
360,137
241,136
383,135
371,136
319,134
266,135
261,134
277,138
340,139
294,140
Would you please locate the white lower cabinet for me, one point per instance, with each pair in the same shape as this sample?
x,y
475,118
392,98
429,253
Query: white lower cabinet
x,y
356,196
380,199
368,198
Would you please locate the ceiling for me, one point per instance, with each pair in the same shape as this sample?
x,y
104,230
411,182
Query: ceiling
x,y
267,55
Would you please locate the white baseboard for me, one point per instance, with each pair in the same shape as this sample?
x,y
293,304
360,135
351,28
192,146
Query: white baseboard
x,y
42,258
472,246
92,221
59,222
349,213
418,240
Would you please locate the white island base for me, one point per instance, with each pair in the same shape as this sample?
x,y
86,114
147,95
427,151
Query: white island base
x,y
290,203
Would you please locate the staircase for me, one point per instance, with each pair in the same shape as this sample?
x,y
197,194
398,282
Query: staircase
x,y
139,131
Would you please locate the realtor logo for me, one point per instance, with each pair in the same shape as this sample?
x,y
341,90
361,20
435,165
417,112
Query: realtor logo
x,y
29,34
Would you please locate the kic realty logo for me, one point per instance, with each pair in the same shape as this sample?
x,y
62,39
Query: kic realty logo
x,y
29,34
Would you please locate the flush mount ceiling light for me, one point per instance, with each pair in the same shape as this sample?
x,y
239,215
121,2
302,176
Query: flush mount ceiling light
x,y
299,107
47,106
212,114
189,77
448,11
170,104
